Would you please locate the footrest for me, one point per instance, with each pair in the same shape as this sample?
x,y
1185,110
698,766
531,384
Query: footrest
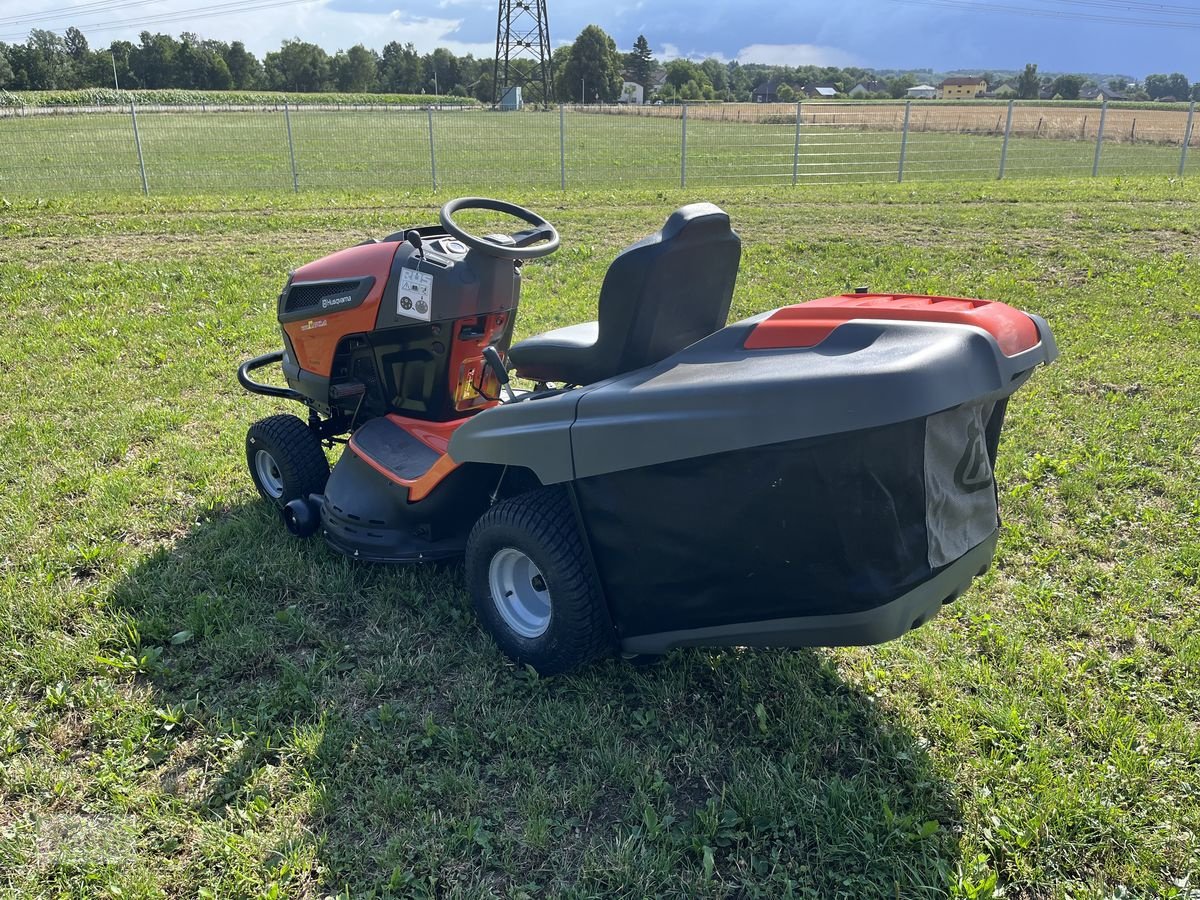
x,y
391,450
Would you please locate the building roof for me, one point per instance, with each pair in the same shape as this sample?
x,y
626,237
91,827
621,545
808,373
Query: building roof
x,y
767,87
962,81
922,87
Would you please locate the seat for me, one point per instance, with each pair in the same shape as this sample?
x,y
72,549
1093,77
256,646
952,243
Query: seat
x,y
659,295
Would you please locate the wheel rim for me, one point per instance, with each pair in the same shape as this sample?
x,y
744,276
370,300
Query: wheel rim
x,y
268,474
519,592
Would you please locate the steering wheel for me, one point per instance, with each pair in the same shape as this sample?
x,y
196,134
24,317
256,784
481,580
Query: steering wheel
x,y
499,245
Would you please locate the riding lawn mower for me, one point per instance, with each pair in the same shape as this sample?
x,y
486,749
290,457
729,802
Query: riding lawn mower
x,y
820,474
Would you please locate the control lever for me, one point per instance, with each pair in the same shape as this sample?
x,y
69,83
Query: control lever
x,y
414,238
492,357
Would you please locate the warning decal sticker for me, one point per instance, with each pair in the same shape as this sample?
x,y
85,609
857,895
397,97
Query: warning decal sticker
x,y
415,297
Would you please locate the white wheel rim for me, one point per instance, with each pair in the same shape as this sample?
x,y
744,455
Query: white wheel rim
x,y
519,592
268,474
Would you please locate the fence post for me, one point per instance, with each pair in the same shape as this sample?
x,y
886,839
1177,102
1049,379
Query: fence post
x,y
432,152
1187,137
1099,138
137,142
796,149
683,151
562,147
287,119
904,140
1004,146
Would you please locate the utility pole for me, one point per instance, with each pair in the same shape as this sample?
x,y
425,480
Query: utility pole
x,y
523,33
114,62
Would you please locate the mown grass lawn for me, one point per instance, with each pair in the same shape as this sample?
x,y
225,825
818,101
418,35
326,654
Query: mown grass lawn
x,y
194,704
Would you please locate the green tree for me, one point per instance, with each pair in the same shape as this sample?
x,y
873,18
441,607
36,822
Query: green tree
x,y
786,93
1173,85
400,69
716,74
1196,91
681,71
441,71
298,66
594,67
1067,86
245,71
6,72
640,62
1028,85
900,85
354,69
154,60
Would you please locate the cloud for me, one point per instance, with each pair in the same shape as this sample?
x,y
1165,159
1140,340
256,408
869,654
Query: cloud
x,y
795,55
319,22
672,51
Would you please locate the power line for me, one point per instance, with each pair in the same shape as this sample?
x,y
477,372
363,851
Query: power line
x,y
70,12
203,12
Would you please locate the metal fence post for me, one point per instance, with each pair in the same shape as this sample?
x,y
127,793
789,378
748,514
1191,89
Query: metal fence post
x,y
1187,137
562,147
432,152
287,119
796,149
683,151
1099,138
137,142
1004,146
904,140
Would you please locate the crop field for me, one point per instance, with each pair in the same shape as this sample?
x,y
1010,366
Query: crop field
x,y
215,151
194,704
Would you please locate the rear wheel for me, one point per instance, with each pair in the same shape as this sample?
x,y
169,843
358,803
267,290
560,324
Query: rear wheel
x,y
285,459
532,583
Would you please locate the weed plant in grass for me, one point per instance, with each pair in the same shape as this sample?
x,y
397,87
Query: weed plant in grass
x,y
194,704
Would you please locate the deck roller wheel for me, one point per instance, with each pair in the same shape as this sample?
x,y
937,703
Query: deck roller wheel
x,y
285,459
532,583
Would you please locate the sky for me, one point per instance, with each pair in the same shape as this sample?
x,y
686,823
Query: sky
x,y
883,34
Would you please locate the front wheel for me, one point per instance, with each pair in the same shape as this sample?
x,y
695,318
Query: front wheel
x,y
285,459
532,583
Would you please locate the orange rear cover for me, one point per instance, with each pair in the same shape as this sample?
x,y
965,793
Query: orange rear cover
x,y
807,324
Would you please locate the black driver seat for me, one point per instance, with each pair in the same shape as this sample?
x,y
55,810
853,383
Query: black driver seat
x,y
661,294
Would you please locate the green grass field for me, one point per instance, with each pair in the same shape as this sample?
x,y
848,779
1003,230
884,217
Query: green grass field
x,y
194,704
389,150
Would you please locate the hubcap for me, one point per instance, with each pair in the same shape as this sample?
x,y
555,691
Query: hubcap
x,y
267,471
520,593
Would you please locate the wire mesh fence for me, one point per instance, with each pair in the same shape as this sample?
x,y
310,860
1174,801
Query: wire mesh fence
x,y
272,149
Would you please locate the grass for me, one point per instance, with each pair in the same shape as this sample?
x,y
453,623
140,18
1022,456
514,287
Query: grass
x,y
193,704
218,151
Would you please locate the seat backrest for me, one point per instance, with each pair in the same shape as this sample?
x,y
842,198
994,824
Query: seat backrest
x,y
668,290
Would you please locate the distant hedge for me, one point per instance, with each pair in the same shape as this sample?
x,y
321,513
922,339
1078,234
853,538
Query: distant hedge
x,y
178,97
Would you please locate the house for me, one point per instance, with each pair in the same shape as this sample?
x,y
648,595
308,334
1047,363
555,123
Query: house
x,y
1046,92
922,92
963,88
868,87
631,92
820,91
1005,92
767,92
1102,94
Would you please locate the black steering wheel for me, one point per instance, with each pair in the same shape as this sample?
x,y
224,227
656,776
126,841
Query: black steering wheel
x,y
518,245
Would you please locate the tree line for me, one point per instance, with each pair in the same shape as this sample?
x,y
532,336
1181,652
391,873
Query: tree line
x,y
590,69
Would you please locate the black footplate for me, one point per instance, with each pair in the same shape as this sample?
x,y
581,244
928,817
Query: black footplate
x,y
390,446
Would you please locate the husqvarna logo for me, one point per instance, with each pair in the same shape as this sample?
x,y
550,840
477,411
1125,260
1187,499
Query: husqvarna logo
x,y
330,302
974,469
